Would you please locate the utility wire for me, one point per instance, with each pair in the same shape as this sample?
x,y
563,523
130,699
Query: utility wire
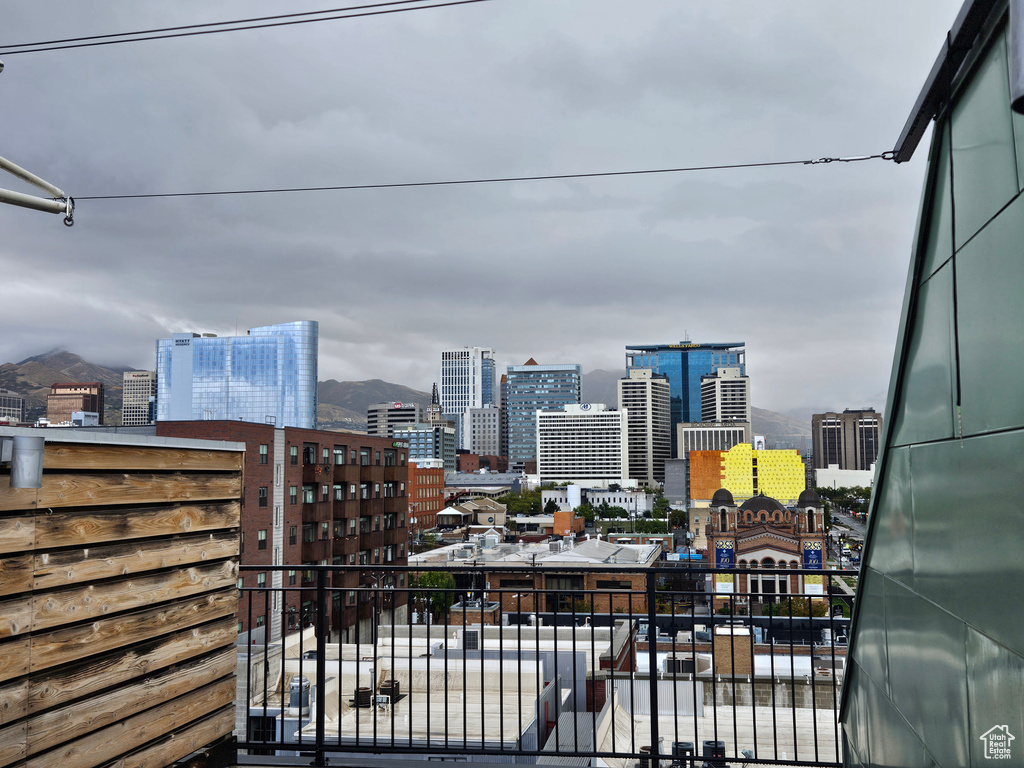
x,y
496,180
203,29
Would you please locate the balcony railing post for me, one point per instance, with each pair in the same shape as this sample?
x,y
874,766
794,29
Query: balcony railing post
x,y
320,758
652,653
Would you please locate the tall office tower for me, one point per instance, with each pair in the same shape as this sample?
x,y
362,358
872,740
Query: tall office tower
x,y
383,418
849,439
138,398
483,426
710,436
645,395
12,406
268,376
684,364
582,442
467,381
725,396
530,388
65,399
503,396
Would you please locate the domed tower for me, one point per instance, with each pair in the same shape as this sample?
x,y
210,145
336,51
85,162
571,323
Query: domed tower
x,y
723,510
811,512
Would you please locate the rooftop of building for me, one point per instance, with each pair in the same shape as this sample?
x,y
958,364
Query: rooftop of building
x,y
551,553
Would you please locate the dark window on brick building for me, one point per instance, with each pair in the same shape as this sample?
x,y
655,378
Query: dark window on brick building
x,y
339,454
261,538
264,453
293,533
293,495
263,495
293,455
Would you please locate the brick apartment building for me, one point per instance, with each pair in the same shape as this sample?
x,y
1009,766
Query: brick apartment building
x,y
426,494
312,497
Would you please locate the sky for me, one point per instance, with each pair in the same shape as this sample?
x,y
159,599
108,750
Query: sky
x,y
806,264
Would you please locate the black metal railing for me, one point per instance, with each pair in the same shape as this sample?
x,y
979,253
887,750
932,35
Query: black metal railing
x,y
494,662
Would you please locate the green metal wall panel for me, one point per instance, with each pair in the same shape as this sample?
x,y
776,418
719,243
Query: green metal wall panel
x,y
892,551
928,672
969,531
984,156
939,243
937,646
990,282
926,409
992,667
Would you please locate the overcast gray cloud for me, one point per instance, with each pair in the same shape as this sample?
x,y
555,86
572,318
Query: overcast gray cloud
x,y
806,264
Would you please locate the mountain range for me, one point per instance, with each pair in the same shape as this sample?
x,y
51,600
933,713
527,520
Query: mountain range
x,y
342,404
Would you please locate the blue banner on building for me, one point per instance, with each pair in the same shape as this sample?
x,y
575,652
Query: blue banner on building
x,y
812,554
724,554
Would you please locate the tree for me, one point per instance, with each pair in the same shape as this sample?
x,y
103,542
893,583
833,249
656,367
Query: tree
x,y
614,487
551,507
661,506
800,607
433,594
587,512
616,513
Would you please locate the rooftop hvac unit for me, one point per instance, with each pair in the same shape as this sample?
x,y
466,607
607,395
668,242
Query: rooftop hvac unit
x,y
679,665
554,546
683,749
471,640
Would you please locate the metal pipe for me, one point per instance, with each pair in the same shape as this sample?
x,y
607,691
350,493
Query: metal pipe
x,y
30,201
31,178
27,462
1017,55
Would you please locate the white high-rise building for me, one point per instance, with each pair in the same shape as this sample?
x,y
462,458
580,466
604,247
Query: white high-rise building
x,y
138,398
467,381
582,442
710,436
725,396
645,395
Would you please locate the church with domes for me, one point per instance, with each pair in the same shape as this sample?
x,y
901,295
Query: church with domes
x,y
770,539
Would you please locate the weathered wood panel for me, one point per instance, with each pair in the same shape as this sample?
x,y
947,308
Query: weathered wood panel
x,y
15,616
13,743
13,700
14,657
136,458
57,726
69,529
59,569
111,597
15,574
17,534
130,733
65,646
181,743
118,605
69,682
16,499
66,490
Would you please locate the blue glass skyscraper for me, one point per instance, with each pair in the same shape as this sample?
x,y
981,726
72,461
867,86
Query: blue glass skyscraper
x,y
684,363
530,388
266,376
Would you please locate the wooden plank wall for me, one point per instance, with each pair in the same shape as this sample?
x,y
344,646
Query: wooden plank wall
x,y
117,606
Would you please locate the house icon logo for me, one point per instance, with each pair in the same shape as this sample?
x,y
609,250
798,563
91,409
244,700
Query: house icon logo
x,y
997,742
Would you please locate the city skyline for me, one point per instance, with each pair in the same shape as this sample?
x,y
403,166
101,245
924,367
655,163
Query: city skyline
x,y
499,89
